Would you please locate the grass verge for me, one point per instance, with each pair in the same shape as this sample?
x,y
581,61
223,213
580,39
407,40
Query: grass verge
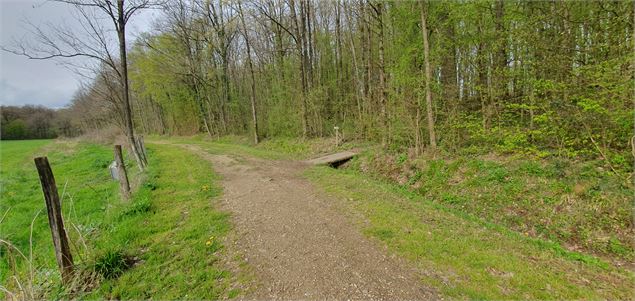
x,y
175,232
580,205
466,258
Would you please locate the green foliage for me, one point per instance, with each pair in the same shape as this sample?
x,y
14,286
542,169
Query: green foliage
x,y
505,78
101,163
285,145
14,130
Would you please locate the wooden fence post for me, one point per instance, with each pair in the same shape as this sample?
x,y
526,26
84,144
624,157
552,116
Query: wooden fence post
x,y
124,186
54,209
141,147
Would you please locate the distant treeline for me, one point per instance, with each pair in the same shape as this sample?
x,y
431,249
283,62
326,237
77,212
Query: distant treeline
x,y
34,122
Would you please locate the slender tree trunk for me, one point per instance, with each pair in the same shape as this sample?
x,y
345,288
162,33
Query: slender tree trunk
x,y
309,40
225,66
482,79
428,77
367,54
201,107
383,93
226,92
338,40
251,73
301,54
500,57
359,85
121,33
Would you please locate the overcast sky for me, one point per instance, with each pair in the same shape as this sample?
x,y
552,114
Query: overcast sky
x,y
42,82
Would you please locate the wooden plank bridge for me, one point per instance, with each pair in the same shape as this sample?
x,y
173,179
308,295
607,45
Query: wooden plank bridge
x,y
333,159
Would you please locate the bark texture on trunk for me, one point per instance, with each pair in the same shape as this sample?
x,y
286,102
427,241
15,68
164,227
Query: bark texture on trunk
x,y
129,127
428,77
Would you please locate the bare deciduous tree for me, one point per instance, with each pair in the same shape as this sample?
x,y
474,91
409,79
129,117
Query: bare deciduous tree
x,y
56,41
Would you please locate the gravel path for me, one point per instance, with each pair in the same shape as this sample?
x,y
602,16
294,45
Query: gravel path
x,y
298,244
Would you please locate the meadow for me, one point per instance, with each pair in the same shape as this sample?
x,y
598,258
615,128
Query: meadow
x,y
169,227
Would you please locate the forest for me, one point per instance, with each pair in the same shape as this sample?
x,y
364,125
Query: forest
x,y
542,78
35,122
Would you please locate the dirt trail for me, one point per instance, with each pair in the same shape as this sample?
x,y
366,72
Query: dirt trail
x,y
298,244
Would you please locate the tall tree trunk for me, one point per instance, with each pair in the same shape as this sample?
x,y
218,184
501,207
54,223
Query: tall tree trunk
x,y
367,54
383,93
500,56
359,85
428,78
251,73
301,53
338,48
226,93
121,33
309,41
482,82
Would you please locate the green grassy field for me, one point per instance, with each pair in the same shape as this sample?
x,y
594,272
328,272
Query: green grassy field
x,y
169,228
84,186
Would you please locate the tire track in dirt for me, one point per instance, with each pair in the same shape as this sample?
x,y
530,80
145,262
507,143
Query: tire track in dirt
x,y
298,245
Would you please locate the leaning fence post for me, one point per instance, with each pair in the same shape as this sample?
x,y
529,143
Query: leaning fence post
x,y
143,147
54,210
124,186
